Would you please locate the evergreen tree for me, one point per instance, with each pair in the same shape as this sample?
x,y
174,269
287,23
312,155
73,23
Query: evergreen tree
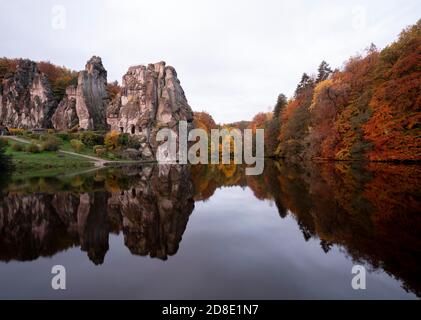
x,y
280,105
305,83
324,71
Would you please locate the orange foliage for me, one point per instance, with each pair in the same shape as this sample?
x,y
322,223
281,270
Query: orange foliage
x,y
259,121
7,68
394,129
111,140
60,78
204,121
369,110
113,89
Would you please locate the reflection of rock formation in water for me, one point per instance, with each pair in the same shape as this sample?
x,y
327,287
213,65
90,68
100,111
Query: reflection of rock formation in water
x,y
152,208
372,213
155,211
93,225
30,227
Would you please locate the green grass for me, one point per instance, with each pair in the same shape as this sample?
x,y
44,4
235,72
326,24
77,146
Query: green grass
x,y
66,146
88,151
45,163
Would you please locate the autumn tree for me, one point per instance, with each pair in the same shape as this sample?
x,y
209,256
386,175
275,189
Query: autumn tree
x,y
295,121
394,126
113,89
204,121
259,121
60,78
274,125
7,67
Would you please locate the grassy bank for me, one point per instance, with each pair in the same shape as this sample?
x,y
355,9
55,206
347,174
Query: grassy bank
x,y
44,163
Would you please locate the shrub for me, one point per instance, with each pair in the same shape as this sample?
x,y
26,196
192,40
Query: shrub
x,y
51,143
123,139
16,131
33,148
77,145
16,147
33,136
43,137
100,150
134,142
74,135
63,136
111,140
91,139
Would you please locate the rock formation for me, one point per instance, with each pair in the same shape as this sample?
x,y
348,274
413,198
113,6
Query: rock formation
x,y
65,117
151,98
86,104
26,99
92,96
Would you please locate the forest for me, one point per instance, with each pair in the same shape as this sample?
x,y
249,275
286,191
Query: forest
x,y
370,109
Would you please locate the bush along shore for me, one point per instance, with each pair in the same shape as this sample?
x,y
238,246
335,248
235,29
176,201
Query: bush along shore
x,y
33,152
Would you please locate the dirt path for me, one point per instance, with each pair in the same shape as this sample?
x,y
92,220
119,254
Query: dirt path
x,y
16,139
97,161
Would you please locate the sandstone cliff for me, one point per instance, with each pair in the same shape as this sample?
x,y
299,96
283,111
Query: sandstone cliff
x,y
92,96
151,98
65,117
85,105
26,99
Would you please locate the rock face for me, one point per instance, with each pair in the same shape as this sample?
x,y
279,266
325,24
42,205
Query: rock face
x,y
26,99
86,104
65,117
91,96
151,98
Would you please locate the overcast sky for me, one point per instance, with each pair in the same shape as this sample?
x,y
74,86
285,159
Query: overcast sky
x,y
232,57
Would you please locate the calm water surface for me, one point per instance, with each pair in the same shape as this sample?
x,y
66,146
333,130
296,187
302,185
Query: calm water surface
x,y
175,232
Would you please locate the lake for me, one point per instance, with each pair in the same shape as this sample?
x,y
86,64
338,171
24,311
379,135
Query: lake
x,y
211,232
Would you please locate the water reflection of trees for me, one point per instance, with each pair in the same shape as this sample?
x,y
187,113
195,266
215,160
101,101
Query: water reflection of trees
x,y
372,211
